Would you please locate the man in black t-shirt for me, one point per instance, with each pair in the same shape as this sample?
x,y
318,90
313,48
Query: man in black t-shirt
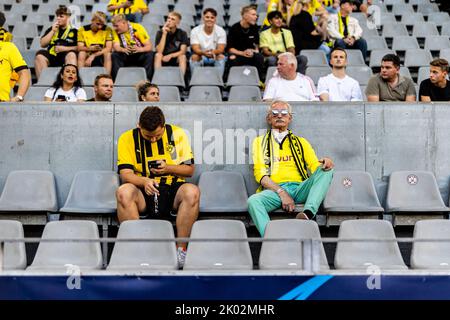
x,y
437,87
61,42
243,41
171,44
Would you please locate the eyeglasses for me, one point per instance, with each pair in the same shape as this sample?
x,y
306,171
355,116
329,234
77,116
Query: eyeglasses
x,y
283,112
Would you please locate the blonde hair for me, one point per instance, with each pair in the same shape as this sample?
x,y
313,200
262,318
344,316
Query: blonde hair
x,y
118,17
99,15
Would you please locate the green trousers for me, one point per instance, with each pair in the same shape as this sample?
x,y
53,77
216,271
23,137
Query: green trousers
x,y
311,192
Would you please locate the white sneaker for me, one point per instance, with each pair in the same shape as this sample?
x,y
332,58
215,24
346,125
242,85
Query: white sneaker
x,y
181,256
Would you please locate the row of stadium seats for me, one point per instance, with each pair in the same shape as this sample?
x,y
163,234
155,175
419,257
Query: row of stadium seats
x,y
220,245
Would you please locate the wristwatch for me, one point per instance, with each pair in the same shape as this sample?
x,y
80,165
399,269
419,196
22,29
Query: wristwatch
x,y
20,98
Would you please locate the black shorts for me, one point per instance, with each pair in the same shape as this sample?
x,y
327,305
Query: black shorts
x,y
166,198
54,61
98,61
171,63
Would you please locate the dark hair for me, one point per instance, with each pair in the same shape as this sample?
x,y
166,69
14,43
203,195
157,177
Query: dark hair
x,y
151,118
62,10
2,19
441,63
338,49
392,58
274,14
101,76
210,10
58,82
345,1
143,88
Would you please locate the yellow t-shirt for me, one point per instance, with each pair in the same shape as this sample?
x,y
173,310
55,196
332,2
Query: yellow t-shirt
x,y
273,6
314,5
89,38
139,32
10,60
283,167
5,35
137,5
275,41
134,151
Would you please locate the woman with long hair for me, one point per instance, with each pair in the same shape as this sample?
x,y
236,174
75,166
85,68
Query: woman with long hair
x,y
147,91
67,86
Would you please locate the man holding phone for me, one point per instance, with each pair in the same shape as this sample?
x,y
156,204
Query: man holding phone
x,y
153,161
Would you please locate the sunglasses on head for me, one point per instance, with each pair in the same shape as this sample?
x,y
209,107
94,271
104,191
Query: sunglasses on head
x,y
283,112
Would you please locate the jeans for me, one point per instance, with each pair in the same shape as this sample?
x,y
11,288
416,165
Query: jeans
x,y
208,62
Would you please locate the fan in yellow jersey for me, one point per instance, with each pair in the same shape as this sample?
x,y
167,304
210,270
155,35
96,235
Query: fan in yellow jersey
x,y
287,169
134,10
12,61
153,161
95,43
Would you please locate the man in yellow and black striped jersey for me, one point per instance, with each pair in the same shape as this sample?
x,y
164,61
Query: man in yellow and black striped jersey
x,y
153,161
134,10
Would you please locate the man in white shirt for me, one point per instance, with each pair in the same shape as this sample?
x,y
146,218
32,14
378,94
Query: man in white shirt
x,y
337,86
208,42
288,84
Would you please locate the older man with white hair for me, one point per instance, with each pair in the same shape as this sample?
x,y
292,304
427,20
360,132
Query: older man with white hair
x,y
289,85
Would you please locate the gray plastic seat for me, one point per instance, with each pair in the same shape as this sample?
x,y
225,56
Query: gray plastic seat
x,y
29,56
388,17
169,94
14,257
35,44
352,191
376,43
317,72
92,192
391,30
186,8
270,72
403,43
218,255
436,43
54,256
393,2
424,73
417,58
47,77
355,58
288,255
48,8
206,76
159,8
243,76
89,92
359,255
401,9
124,94
204,94
143,256
21,43
414,191
315,58
377,55
404,71
35,94
222,191
439,18
412,18
428,8
130,76
431,255
37,18
244,93
445,54
29,190
26,30
88,75
361,74
168,76
445,30
157,19
417,2
423,30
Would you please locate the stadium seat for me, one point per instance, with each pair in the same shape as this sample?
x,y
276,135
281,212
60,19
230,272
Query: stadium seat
x,y
401,9
424,73
393,2
417,58
130,76
160,8
391,30
21,43
20,9
167,2
222,191
206,76
431,255
168,76
317,72
125,94
35,44
377,55
376,43
361,74
288,255
414,191
14,255
205,94
89,92
387,18
359,255
157,19
403,43
417,2
244,93
404,71
100,6
316,58
35,94
445,54
270,72
29,190
88,74
169,94
428,8
355,58
47,8
29,56
186,7
436,43
423,30
352,191
445,30
26,30
48,76
38,18
218,255
439,18
146,255
55,256
243,76
411,19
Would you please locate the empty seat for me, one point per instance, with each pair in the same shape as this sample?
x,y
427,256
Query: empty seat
x,y
317,72
376,43
445,30
424,73
89,92
417,58
146,255
288,255
157,19
315,58
159,8
361,74
445,54
88,75
403,43
412,18
423,30
35,94
401,9
55,256
439,18
218,255
168,76
388,18
359,255
29,190
244,93
204,94
29,56
124,94
130,76
21,43
47,77
243,76
270,72
417,2
35,44
414,191
404,71
37,18
433,254
206,76
48,8
26,30
14,255
169,94
391,30
436,43
355,58
222,191
428,8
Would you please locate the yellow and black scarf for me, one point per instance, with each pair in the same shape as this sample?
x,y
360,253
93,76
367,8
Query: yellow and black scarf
x,y
56,37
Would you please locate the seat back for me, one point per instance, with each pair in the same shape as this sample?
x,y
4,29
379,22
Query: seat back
x,y
244,93
205,93
206,76
15,257
130,76
243,76
168,76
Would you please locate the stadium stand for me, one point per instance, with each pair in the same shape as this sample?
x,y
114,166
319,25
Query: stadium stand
x,y
14,253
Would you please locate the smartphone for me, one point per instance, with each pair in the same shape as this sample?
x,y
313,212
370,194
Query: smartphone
x,y
61,97
153,164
